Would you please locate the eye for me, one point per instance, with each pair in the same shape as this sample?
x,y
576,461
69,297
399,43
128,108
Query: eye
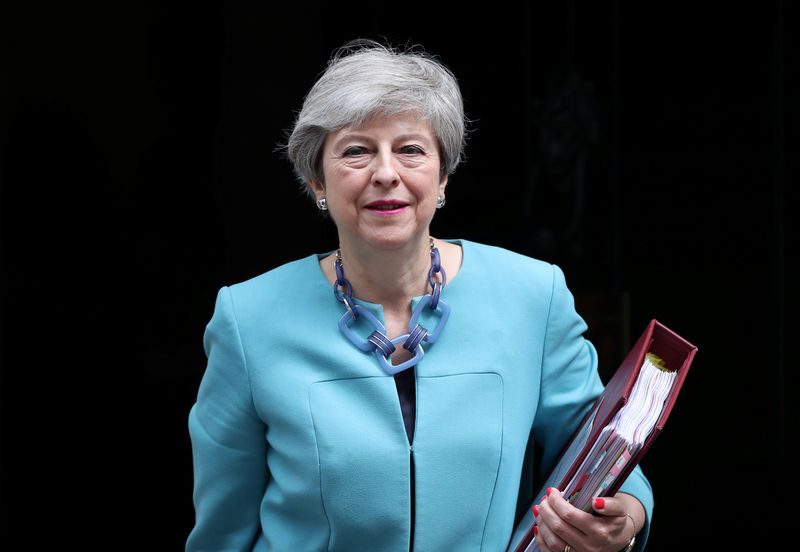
x,y
412,150
353,151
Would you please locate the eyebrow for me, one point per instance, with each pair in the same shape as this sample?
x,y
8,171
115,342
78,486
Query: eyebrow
x,y
401,138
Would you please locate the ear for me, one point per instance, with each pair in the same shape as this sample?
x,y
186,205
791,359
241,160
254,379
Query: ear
x,y
317,187
442,185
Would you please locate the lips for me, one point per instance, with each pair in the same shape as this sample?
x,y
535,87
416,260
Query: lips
x,y
386,205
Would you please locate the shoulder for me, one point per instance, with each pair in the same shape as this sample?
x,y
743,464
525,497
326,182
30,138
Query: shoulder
x,y
275,290
512,267
293,274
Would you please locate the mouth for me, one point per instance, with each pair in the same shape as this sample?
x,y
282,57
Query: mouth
x,y
386,206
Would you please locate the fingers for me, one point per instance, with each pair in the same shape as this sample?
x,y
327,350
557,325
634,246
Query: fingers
x,y
612,513
557,523
624,513
608,506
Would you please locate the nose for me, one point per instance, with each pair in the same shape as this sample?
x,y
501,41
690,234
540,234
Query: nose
x,y
385,171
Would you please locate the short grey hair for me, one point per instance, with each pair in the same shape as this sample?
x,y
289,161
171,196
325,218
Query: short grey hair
x,y
365,79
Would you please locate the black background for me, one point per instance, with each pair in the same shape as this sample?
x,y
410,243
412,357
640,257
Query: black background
x,y
648,150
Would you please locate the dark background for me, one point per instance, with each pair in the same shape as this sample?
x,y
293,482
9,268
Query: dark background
x,y
648,150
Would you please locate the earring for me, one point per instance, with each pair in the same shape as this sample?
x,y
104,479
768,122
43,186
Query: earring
x,y
322,204
440,202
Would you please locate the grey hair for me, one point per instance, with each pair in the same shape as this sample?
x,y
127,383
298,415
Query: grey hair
x,y
365,79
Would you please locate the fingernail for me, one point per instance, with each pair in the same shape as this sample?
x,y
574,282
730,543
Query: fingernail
x,y
536,510
544,497
549,491
535,530
599,503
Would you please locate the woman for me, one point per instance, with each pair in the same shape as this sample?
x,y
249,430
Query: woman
x,y
381,396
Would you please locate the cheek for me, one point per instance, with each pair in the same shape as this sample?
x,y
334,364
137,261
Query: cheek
x,y
342,197
339,183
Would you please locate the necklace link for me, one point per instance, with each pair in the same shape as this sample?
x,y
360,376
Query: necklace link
x,y
382,342
436,268
345,296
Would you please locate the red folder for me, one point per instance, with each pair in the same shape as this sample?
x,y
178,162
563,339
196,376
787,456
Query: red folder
x,y
677,354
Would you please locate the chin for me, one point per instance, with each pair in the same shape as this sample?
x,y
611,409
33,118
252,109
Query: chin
x,y
391,241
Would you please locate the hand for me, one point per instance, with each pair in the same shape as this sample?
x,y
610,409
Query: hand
x,y
609,529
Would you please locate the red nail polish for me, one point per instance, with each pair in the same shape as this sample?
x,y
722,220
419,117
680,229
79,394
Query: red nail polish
x,y
536,511
599,503
535,530
550,490
542,499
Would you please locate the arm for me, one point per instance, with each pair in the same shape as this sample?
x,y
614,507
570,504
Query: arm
x,y
570,384
228,442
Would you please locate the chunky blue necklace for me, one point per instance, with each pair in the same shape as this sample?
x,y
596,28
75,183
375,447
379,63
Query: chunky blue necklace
x,y
377,342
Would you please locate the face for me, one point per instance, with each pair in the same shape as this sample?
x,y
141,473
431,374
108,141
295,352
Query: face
x,y
381,182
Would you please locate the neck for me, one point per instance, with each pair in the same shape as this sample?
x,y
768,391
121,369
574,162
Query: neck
x,y
390,278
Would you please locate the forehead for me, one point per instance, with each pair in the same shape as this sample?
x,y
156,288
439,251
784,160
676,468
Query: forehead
x,y
390,127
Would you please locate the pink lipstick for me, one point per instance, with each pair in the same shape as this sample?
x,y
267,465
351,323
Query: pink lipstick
x,y
386,206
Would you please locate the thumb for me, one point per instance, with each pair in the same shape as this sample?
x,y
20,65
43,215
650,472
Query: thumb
x,y
608,506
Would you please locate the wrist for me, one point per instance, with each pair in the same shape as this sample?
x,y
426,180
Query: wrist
x,y
632,540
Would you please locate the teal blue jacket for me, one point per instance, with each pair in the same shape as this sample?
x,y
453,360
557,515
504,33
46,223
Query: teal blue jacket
x,y
298,438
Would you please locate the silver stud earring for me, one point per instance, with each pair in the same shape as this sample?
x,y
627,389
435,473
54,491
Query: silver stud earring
x,y
322,204
439,202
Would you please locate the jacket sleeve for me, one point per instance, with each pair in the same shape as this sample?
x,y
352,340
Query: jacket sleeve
x,y
570,384
228,442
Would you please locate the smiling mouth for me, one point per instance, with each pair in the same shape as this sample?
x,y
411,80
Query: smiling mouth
x,y
386,206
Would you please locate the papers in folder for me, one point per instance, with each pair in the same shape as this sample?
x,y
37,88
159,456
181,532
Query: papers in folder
x,y
619,428
624,436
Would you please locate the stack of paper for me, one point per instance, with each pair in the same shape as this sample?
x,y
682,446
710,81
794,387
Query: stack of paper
x,y
622,438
